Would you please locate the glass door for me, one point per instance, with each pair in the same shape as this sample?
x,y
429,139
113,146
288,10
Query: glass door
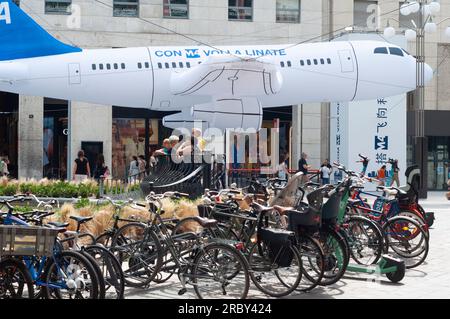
x,y
438,158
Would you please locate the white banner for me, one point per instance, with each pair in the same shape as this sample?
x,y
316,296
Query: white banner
x,y
375,128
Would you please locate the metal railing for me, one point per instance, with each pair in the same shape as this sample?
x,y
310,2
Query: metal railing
x,y
242,177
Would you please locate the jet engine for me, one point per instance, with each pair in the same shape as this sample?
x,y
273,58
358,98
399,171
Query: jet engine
x,y
244,113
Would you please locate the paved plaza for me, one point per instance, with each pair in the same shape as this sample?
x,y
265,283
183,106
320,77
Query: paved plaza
x,y
429,280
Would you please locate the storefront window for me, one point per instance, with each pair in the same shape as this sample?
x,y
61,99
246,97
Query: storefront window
x,y
438,161
54,138
128,140
48,155
8,130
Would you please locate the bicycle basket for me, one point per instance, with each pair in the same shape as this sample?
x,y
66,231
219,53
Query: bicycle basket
x,y
26,240
278,242
306,217
330,209
222,212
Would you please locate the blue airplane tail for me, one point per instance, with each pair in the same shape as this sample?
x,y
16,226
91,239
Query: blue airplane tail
x,y
21,37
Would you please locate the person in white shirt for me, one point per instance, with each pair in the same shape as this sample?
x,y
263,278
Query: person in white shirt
x,y
325,172
282,168
4,166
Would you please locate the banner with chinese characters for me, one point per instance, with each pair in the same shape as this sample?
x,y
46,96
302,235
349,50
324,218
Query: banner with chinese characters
x,y
375,128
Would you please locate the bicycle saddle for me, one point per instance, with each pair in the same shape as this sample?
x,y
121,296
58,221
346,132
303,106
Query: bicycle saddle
x,y
261,208
392,190
206,222
61,227
282,209
81,220
58,225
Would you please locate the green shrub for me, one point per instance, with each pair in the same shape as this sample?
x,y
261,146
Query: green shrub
x,y
9,190
52,188
83,202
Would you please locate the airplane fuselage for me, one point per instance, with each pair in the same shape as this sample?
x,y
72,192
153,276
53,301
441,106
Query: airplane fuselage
x,y
143,77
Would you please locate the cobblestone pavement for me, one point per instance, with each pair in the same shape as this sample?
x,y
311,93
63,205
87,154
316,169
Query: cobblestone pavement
x,y
429,280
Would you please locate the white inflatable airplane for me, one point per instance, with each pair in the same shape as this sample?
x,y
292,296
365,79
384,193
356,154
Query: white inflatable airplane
x,y
223,87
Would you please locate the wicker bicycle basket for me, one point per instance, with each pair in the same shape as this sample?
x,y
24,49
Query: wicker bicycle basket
x,y
26,240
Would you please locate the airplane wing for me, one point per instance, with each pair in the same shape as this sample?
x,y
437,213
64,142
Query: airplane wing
x,y
227,76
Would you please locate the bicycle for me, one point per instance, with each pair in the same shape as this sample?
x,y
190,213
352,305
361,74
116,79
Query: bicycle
x,y
15,280
275,262
106,265
63,274
407,237
211,266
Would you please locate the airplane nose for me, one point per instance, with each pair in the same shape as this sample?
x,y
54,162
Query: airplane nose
x,y
428,73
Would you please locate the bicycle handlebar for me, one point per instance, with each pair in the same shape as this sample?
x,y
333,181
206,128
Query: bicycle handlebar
x,y
365,158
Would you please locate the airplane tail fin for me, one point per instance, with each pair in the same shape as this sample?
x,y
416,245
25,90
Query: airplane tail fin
x,y
21,37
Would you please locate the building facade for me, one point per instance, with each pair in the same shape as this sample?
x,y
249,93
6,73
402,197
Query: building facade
x,y
34,130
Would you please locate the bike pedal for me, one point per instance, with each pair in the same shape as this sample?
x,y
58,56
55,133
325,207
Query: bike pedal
x,y
182,291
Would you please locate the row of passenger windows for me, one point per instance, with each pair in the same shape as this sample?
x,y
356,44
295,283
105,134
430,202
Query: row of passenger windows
x,y
307,62
108,66
174,65
145,65
182,65
392,50
116,66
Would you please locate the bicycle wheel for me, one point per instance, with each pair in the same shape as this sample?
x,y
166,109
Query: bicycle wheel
x,y
15,280
190,225
98,272
312,256
105,239
407,239
417,217
268,277
365,240
139,252
220,271
336,253
111,271
70,275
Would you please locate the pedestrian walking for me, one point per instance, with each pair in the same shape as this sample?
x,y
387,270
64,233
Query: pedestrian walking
x,y
395,171
133,172
304,167
101,170
282,168
4,162
381,175
325,172
142,166
81,168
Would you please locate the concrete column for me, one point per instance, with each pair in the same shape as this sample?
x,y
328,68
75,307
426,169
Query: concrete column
x,y
91,123
311,131
296,134
30,139
325,131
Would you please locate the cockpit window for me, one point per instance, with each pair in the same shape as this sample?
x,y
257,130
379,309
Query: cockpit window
x,y
406,52
396,51
381,50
